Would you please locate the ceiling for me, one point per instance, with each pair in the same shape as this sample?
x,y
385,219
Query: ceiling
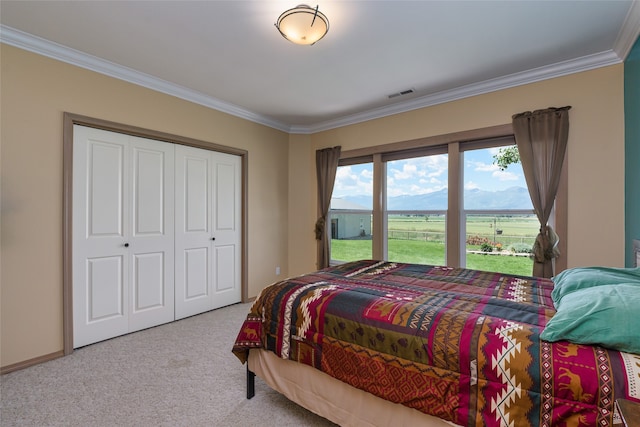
x,y
228,55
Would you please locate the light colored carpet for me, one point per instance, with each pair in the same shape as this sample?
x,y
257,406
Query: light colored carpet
x,y
179,374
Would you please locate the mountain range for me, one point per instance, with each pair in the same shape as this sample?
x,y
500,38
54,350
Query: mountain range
x,y
511,198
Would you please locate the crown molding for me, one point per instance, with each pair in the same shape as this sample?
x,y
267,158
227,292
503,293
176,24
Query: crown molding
x,y
559,69
624,43
62,53
629,32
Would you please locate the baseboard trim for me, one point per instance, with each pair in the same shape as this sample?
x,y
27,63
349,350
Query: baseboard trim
x,y
31,362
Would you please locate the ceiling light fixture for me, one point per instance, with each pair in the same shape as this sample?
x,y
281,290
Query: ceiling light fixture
x,y
303,25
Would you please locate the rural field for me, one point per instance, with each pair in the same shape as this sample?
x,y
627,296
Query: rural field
x,y
494,243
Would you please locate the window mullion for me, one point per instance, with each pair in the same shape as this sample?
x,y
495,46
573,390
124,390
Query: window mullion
x,y
379,227
454,218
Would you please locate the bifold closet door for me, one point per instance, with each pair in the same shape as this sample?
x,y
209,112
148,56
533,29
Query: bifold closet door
x,y
123,234
208,230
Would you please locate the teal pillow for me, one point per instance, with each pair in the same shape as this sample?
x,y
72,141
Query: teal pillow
x,y
586,277
606,315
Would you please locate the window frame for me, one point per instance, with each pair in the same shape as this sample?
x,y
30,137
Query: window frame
x,y
454,144
504,141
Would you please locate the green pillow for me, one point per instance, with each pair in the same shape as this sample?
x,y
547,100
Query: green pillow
x,y
586,277
607,315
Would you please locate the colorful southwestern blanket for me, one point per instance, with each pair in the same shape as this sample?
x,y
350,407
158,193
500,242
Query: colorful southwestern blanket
x,y
459,344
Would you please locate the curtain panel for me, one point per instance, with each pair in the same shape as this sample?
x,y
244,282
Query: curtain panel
x,y
326,167
541,137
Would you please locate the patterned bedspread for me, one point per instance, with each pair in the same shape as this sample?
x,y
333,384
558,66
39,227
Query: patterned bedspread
x,y
459,344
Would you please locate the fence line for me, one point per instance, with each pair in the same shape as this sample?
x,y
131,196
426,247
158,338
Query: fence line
x,y
433,236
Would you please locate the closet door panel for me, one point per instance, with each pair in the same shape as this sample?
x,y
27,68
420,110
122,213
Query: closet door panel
x,y
149,188
196,279
225,196
196,202
225,267
227,192
103,313
148,281
100,226
105,175
193,240
105,289
151,241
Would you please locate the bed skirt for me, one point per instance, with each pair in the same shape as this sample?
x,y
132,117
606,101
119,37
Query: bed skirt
x,y
332,399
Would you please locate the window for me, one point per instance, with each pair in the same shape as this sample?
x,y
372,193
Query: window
x,y
498,220
416,209
437,200
351,213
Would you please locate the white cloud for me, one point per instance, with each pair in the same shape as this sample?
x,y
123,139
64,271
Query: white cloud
x,y
505,176
470,185
427,174
345,174
351,182
484,167
409,171
417,176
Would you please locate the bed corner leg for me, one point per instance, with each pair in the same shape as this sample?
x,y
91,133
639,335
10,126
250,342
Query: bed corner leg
x,y
251,383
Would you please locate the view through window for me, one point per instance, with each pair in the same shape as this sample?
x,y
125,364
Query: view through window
x,y
417,209
497,225
351,213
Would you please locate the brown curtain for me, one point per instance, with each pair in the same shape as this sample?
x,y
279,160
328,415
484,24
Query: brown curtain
x,y
326,167
541,137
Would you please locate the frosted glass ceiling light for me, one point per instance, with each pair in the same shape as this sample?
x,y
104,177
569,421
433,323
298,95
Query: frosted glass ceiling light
x,y
303,25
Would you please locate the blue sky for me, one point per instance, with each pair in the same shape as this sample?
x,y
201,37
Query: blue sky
x,y
428,174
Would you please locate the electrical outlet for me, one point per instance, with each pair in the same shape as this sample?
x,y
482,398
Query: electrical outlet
x,y
277,271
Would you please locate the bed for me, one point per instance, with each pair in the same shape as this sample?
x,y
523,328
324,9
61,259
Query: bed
x,y
380,343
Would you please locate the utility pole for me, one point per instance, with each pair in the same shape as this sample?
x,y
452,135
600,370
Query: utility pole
x,y
494,229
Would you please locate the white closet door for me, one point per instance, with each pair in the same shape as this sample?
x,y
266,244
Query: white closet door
x,y
151,250
207,230
122,234
193,242
226,229
100,261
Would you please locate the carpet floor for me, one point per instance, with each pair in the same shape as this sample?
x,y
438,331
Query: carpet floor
x,y
179,374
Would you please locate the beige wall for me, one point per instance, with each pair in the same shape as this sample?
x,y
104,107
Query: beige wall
x,y
595,155
302,205
282,191
36,91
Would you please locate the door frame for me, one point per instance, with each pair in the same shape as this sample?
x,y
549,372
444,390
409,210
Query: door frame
x,y
71,119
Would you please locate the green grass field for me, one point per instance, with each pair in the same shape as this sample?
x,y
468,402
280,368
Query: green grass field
x,y
420,240
502,229
432,253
